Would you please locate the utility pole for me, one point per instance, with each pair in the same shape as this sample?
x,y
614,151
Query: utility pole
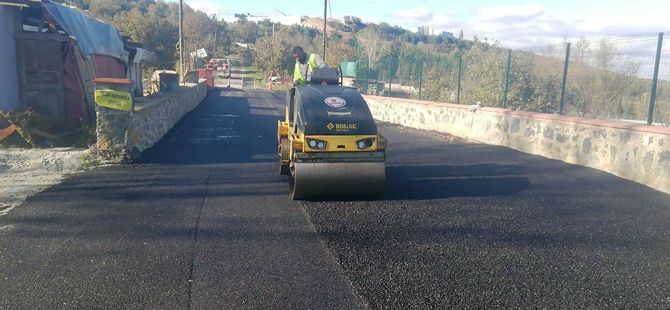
x,y
216,30
181,38
325,12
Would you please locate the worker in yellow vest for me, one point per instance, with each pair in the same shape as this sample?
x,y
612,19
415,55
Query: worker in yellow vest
x,y
304,64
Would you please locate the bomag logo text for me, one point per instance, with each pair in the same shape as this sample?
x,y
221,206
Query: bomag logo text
x,y
345,126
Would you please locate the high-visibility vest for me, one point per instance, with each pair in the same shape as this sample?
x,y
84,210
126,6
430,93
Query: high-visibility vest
x,y
311,64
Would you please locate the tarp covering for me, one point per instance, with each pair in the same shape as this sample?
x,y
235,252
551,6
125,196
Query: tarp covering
x,y
9,88
75,104
109,67
349,68
93,36
144,55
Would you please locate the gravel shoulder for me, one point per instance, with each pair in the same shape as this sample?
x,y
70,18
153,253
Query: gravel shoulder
x,y
26,172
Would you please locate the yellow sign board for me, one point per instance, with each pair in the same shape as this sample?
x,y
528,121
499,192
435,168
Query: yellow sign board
x,y
114,99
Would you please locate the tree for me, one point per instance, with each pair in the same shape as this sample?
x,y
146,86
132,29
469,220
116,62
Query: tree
x,y
336,52
107,9
242,19
151,30
157,28
434,86
460,35
199,30
223,38
309,32
334,36
391,33
483,75
354,24
372,43
273,54
245,32
266,28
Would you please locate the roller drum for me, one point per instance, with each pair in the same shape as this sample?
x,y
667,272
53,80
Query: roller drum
x,y
337,180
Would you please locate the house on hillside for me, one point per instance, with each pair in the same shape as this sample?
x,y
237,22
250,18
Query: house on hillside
x,y
286,20
52,53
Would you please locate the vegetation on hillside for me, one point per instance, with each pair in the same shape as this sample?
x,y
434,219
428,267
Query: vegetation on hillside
x,y
156,25
601,81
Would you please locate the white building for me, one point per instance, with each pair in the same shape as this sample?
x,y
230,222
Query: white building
x,y
277,19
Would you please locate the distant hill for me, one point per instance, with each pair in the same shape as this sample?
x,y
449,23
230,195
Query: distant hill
x,y
350,25
318,24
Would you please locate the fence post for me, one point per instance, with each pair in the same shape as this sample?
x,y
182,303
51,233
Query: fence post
x,y
367,78
565,79
421,77
390,64
458,92
509,61
380,76
652,99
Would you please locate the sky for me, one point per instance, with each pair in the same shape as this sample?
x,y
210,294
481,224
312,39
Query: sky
x,y
515,23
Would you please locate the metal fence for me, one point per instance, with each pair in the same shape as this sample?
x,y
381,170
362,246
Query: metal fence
x,y
624,79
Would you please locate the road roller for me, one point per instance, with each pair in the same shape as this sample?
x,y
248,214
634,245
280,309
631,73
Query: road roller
x,y
329,145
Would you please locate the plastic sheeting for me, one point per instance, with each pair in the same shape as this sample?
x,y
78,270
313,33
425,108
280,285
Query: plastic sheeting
x,y
144,55
93,36
75,103
349,68
109,67
9,88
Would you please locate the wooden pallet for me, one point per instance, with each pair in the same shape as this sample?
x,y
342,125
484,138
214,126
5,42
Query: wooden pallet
x,y
32,127
5,132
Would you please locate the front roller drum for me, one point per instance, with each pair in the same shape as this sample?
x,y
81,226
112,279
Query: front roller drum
x,y
337,180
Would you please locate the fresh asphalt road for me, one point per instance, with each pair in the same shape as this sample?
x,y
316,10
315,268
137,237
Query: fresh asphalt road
x,y
205,222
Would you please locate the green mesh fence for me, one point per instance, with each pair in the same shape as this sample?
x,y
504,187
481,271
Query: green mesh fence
x,y
607,78
661,113
536,75
611,78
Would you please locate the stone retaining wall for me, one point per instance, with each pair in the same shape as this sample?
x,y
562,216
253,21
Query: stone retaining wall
x,y
635,152
122,136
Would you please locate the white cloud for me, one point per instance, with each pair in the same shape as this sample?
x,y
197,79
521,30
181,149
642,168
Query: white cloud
x,y
208,7
370,19
413,18
529,25
504,12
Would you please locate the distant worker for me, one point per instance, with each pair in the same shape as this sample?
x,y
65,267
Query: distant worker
x,y
304,64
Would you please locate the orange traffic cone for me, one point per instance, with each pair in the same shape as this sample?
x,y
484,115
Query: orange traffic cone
x,y
270,87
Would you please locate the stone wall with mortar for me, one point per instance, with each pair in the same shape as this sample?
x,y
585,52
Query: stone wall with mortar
x,y
635,152
122,136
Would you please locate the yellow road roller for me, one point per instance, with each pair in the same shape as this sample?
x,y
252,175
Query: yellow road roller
x,y
329,145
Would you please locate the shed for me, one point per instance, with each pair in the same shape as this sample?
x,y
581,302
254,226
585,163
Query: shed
x,y
59,52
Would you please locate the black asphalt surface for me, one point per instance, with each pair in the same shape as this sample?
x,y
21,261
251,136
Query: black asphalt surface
x,y
205,222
